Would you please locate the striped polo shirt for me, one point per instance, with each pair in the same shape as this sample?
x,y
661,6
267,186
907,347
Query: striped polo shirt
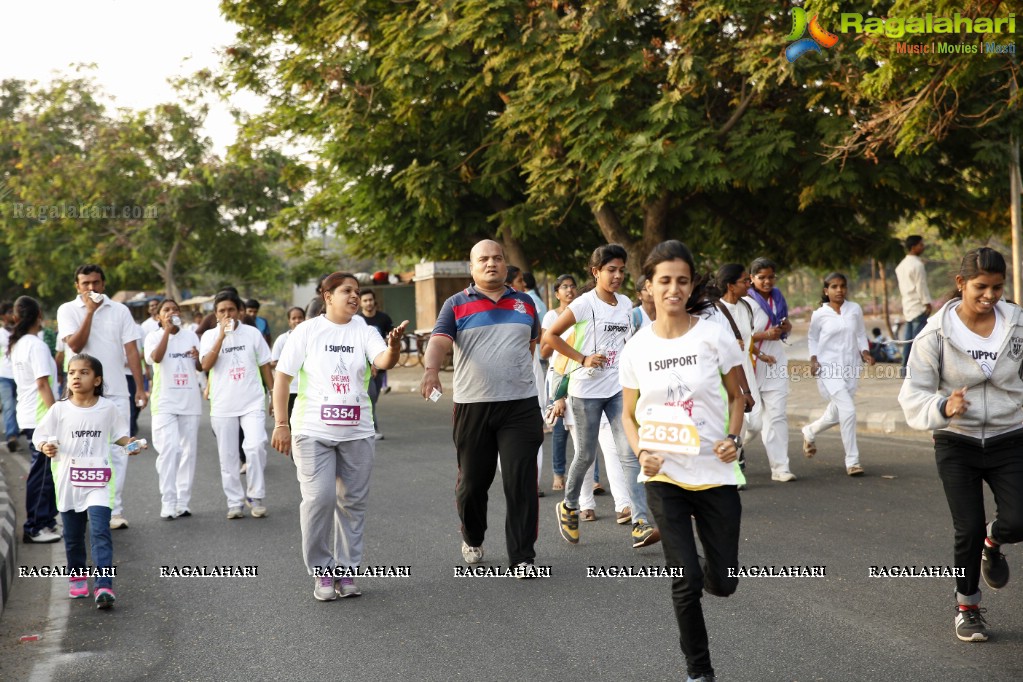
x,y
492,360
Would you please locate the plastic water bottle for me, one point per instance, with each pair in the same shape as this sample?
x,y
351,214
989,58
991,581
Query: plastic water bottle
x,y
135,447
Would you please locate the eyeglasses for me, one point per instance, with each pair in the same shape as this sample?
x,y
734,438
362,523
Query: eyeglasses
x,y
567,286
766,278
744,281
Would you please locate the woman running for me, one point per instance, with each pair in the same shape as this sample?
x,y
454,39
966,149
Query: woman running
x,y
838,342
685,433
963,382
771,327
602,320
175,405
76,434
331,436
35,376
237,358
296,316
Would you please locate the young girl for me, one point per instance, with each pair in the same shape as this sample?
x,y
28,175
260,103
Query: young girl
x,y
35,376
76,434
175,405
675,375
964,383
838,341
770,327
602,320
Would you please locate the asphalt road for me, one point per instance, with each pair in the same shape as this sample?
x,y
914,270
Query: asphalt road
x,y
434,626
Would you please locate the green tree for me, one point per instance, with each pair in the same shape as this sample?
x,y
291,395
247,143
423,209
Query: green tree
x,y
138,192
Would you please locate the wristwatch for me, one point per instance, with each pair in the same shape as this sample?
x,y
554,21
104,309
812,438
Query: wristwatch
x,y
735,439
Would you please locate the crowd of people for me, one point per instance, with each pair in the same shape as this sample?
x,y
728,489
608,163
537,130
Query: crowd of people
x,y
669,390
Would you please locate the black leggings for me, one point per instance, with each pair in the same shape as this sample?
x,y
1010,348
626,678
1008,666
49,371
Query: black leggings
x,y
963,466
718,512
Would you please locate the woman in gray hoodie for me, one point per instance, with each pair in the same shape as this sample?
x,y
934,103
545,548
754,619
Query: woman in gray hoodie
x,y
965,382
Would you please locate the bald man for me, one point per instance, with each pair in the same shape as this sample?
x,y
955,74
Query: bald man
x,y
493,330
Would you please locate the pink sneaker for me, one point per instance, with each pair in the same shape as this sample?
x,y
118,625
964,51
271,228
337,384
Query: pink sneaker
x,y
104,598
79,588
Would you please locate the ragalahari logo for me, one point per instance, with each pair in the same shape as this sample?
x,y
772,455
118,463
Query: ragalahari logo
x,y
819,36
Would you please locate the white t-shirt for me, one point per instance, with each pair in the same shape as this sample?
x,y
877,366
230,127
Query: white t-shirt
x,y
175,387
599,327
112,327
31,360
681,379
6,372
332,362
275,356
85,435
149,325
236,385
983,350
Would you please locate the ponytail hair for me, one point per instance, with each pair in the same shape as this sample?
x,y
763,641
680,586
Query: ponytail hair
x,y
704,293
27,312
982,261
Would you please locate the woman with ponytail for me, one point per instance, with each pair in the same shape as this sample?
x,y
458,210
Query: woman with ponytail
x,y
35,374
838,341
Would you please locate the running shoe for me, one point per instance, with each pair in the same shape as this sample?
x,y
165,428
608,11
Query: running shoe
x,y
598,489
45,536
235,513
323,588
472,555
994,568
12,444
783,476
104,598
168,513
809,446
182,512
644,535
524,570
256,504
706,677
970,623
587,515
568,522
346,587
624,516
855,470
118,521
78,588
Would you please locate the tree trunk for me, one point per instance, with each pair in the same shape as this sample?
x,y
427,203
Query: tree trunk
x,y
655,229
513,252
166,271
881,266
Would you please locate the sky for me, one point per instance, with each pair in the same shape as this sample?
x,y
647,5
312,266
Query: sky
x,y
136,45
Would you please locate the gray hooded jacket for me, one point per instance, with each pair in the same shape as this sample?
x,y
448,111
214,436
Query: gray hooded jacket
x,y
937,367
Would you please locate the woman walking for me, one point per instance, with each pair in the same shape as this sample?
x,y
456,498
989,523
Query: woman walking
x,y
770,328
686,437
330,434
602,319
35,375
964,384
175,405
838,342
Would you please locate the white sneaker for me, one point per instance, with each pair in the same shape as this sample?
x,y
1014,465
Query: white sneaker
x,y
44,536
324,588
235,513
256,503
346,587
118,521
168,513
472,555
783,476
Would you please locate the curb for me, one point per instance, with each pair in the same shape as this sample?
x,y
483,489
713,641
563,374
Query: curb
x,y
8,542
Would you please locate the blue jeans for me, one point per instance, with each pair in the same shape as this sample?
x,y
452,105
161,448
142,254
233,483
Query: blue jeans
x,y
8,397
40,494
559,441
98,520
913,329
586,413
